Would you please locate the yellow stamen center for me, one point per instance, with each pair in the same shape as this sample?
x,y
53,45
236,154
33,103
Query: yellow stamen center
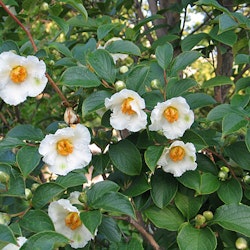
x,y
126,107
171,114
73,221
18,74
64,147
177,153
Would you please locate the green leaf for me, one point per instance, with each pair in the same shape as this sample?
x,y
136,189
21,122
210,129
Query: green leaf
x,y
104,29
217,81
78,6
46,240
202,183
72,179
164,55
79,76
37,221
61,23
182,61
94,101
240,100
190,238
168,218
152,155
26,132
63,49
214,4
177,88
45,192
124,47
9,45
28,159
11,142
217,113
192,40
115,202
195,138
102,63
164,188
91,219
199,100
126,157
99,189
234,217
230,191
239,153
187,203
242,59
226,23
6,235
228,37
247,139
109,229
242,83
152,98
232,123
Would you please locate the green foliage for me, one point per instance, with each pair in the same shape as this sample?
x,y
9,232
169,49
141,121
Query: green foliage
x,y
125,197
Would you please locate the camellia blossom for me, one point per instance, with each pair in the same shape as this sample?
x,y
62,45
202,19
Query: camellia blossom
x,y
127,111
173,117
20,77
67,149
11,246
66,219
178,158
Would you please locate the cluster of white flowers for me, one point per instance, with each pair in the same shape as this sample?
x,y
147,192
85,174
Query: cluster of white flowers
x,y
20,77
172,117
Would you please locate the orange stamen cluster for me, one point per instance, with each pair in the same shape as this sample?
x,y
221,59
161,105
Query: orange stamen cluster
x,y
126,107
171,114
18,74
64,147
177,153
73,221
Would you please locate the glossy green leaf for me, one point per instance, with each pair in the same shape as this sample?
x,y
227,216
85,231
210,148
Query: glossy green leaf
x,y
191,238
234,217
45,240
103,65
91,219
240,100
9,45
28,159
79,76
77,4
192,40
219,112
94,101
202,183
213,3
239,153
45,193
152,155
228,37
242,83
164,188
109,229
217,81
230,191
123,47
242,59
61,23
10,143
115,202
226,23
37,221
6,235
247,139
168,218
152,98
232,123
164,55
195,138
199,100
126,157
72,179
104,29
182,61
62,48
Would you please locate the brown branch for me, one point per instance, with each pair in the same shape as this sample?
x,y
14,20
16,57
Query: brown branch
x,y
141,230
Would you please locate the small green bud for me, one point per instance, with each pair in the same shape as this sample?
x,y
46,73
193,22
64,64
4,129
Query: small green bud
x,y
246,179
199,220
51,62
83,197
4,177
119,85
241,243
155,84
123,69
34,186
222,175
4,219
28,194
225,169
208,215
44,6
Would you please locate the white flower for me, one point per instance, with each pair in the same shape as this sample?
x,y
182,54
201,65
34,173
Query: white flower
x,y
127,113
20,77
20,242
66,219
67,149
115,56
178,158
173,117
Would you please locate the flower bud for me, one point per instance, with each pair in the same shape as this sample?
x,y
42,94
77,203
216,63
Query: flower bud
x,y
222,175
44,6
225,169
82,197
28,194
119,85
155,84
199,220
4,177
241,243
34,186
4,219
123,69
70,117
208,215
